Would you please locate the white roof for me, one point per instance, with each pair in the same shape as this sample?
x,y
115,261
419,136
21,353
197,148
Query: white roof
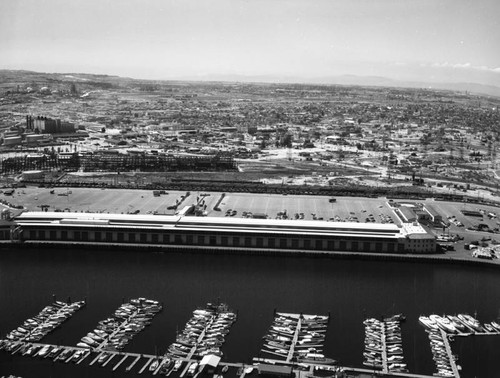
x,y
216,224
210,359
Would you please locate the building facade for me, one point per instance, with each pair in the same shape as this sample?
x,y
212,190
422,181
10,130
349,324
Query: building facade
x,y
223,232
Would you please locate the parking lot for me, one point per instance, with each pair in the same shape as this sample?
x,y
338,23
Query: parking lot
x,y
309,207
231,204
376,210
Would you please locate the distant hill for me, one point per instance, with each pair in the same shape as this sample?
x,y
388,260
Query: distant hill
x,y
490,90
375,81
10,78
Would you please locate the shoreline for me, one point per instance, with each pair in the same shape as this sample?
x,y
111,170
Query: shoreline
x,y
336,255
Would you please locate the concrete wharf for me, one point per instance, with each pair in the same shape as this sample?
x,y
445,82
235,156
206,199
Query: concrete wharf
x,y
447,346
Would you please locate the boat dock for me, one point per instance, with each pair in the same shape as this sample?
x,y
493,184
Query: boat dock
x,y
451,359
442,330
384,349
297,337
204,334
116,359
338,368
294,340
116,331
49,318
383,345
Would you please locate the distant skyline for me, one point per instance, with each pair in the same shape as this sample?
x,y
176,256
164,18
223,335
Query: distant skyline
x,y
409,40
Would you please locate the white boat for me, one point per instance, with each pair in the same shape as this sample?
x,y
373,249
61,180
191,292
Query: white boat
x,y
471,322
44,350
177,365
496,326
192,368
430,324
154,365
458,324
443,323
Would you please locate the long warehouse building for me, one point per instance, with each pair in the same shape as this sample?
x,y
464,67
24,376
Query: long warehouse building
x,y
222,232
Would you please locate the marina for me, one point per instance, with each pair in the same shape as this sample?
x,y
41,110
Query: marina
x,y
115,332
297,337
345,331
204,333
383,344
49,318
441,331
295,341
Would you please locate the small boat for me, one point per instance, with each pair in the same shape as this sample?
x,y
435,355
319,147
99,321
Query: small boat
x,y
397,317
316,358
471,322
154,365
102,358
496,326
490,328
177,364
460,327
45,350
444,323
428,323
192,368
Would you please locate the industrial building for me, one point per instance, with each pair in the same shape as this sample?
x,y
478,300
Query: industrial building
x,y
45,125
435,217
223,232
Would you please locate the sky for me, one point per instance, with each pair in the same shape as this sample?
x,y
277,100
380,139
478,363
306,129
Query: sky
x,y
417,40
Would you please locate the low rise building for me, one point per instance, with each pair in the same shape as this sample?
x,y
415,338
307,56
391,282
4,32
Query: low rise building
x,y
271,234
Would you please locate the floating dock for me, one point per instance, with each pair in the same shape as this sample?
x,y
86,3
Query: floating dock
x,y
297,337
203,334
297,340
451,359
129,319
383,346
49,318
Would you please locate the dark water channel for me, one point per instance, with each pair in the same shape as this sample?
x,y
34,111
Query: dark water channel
x,y
255,286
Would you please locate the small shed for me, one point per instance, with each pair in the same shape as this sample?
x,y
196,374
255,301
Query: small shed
x,y
209,363
275,370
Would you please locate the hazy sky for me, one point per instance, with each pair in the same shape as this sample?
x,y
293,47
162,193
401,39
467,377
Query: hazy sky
x,y
428,40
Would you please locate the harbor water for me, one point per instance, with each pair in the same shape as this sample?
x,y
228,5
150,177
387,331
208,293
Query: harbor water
x,y
254,286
